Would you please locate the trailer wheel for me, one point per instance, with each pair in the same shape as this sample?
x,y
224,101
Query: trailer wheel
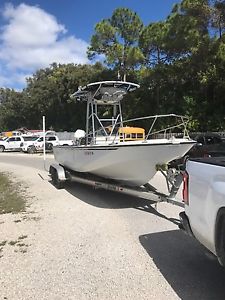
x,y
220,243
55,179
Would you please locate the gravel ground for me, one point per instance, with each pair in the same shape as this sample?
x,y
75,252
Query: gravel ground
x,y
66,248
84,244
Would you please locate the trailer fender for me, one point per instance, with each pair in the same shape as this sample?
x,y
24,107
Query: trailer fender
x,y
59,170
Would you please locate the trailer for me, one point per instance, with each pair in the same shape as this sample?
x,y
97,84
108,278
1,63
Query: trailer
x,y
60,175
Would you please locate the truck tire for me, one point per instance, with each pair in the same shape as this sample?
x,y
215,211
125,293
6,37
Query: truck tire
x,y
55,179
31,150
220,238
49,146
2,148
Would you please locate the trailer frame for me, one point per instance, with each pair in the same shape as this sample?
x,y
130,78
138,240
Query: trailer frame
x,y
60,175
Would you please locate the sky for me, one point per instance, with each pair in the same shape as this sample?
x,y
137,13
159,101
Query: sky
x,y
36,33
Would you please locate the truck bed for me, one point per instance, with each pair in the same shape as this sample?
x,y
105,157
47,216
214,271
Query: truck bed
x,y
204,198
217,161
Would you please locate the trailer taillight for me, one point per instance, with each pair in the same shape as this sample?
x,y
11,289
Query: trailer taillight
x,y
185,187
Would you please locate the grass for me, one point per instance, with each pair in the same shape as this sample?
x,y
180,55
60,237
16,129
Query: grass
x,y
22,237
21,244
13,243
3,243
11,199
18,245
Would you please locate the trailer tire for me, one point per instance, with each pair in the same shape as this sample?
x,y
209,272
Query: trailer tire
x,y
220,238
55,179
2,148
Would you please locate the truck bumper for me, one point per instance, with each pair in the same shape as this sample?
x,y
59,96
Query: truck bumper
x,y
185,225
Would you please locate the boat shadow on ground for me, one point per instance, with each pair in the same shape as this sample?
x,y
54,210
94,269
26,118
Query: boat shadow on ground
x,y
113,200
190,270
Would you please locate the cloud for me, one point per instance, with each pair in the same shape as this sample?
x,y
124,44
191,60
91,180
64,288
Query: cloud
x,y
32,39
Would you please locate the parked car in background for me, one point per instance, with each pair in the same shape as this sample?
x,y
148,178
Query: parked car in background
x,y
35,146
28,142
207,145
52,141
13,143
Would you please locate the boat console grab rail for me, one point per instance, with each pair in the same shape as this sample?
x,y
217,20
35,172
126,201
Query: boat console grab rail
x,y
150,134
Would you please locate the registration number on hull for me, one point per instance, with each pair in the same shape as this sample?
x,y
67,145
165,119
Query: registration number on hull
x,y
88,153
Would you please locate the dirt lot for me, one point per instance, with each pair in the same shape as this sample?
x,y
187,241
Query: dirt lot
x,y
64,248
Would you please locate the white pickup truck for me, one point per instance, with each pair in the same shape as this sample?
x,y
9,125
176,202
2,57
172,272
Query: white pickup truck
x,y
52,141
37,145
204,198
29,142
13,143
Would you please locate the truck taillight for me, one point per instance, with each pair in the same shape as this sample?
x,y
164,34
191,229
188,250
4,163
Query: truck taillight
x,y
185,187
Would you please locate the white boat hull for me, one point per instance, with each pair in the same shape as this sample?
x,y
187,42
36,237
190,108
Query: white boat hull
x,y
131,163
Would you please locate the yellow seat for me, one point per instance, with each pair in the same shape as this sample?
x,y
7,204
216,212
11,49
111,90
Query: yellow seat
x,y
131,133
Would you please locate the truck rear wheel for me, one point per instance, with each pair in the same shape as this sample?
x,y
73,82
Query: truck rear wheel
x,y
2,148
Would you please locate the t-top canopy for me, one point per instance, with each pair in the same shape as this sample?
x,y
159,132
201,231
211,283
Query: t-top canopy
x,y
105,92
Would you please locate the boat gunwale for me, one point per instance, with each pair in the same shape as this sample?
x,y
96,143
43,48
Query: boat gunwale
x,y
115,146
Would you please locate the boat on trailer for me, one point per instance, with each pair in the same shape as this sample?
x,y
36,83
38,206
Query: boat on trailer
x,y
113,150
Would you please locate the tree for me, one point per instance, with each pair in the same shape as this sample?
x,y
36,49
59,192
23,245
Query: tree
x,y
11,109
152,43
179,64
117,39
218,16
49,92
182,34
